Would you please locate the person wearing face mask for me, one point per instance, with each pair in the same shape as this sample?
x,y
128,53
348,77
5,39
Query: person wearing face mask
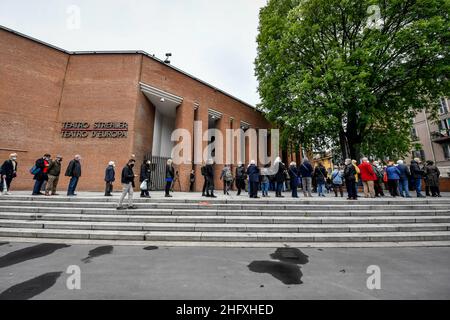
x,y
54,170
74,172
41,175
127,180
110,177
145,176
8,172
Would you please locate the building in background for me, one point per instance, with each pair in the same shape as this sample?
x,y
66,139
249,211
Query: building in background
x,y
105,106
433,137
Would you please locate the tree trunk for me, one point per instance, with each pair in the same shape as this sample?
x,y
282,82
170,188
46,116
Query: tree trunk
x,y
353,137
344,145
355,150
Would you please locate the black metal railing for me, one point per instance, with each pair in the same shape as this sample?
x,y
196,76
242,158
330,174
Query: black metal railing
x,y
158,174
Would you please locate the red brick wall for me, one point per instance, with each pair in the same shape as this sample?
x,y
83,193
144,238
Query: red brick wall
x,y
41,87
100,88
31,81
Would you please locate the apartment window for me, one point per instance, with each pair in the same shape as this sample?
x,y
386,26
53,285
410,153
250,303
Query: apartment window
x,y
419,154
446,148
444,125
444,106
414,135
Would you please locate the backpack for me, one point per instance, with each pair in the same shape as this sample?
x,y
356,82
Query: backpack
x,y
228,175
378,173
35,170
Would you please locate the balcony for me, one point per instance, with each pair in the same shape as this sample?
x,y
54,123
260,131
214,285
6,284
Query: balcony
x,y
441,136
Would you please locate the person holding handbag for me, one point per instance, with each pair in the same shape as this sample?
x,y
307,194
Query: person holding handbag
x,y
144,178
41,175
8,172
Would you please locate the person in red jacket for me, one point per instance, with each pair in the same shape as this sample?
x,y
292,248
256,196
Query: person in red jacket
x,y
368,176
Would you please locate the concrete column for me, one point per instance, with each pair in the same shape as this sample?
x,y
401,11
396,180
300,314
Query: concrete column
x,y
202,116
222,124
185,120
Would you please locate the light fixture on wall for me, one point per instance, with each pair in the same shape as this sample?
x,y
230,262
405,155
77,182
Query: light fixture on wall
x,y
162,100
167,58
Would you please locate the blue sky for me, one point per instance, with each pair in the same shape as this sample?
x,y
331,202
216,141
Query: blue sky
x,y
213,40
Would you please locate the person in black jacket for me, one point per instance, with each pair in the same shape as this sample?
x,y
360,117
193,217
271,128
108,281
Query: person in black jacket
x,y
191,181
320,173
417,175
41,175
54,170
253,178
8,172
145,175
110,177
203,172
127,180
241,176
306,171
74,172
170,175
210,179
294,179
350,179
280,176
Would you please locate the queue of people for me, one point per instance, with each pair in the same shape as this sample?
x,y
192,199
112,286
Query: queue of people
x,y
397,178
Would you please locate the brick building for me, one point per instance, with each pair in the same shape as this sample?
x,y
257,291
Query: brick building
x,y
104,106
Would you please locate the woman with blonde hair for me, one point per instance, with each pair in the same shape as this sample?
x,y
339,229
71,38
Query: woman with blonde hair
x,y
170,175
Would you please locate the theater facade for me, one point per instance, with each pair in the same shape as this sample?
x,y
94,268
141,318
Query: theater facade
x,y
105,106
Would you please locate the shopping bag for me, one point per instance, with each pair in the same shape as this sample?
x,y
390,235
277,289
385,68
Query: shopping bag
x,y
4,187
144,185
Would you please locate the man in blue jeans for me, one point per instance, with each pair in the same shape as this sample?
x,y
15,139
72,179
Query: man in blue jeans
x,y
74,172
403,184
417,175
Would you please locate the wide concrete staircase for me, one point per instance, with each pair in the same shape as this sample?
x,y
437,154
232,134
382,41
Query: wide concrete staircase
x,y
242,220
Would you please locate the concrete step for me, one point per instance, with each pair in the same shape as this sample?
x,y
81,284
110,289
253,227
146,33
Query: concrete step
x,y
222,227
330,200
223,219
234,206
225,236
219,212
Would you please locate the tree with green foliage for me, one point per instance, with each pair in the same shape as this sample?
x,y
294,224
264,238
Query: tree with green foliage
x,y
354,71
